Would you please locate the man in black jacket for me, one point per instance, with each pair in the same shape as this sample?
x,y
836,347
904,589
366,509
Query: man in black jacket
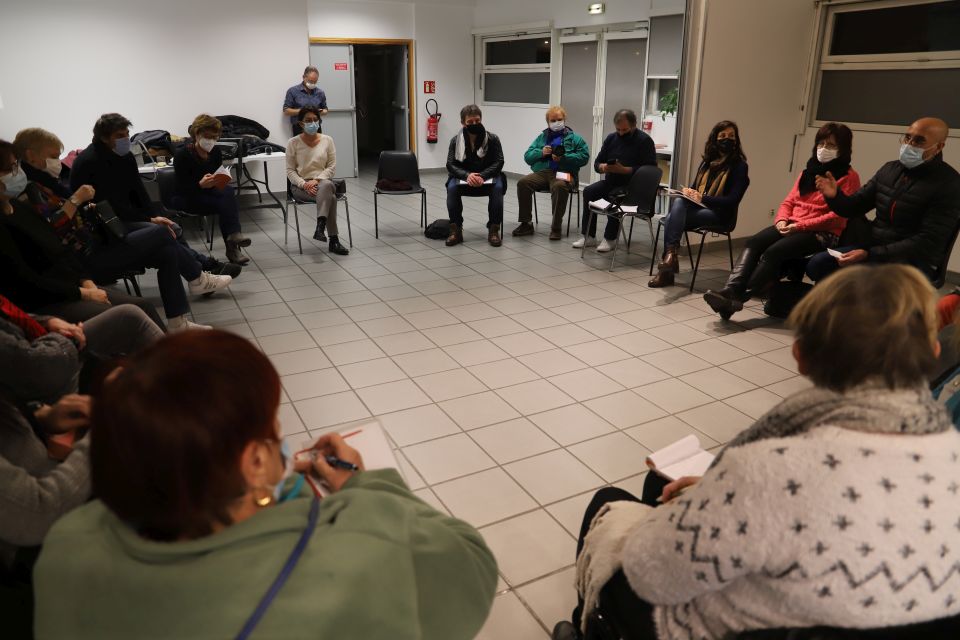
x,y
111,169
475,165
917,202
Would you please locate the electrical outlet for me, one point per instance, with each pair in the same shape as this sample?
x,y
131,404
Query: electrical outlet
x,y
772,213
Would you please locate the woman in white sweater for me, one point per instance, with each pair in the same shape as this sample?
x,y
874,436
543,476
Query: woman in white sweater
x,y
838,508
311,164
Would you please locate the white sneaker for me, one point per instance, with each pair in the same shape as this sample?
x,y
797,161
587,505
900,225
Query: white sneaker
x,y
208,283
589,240
180,323
604,246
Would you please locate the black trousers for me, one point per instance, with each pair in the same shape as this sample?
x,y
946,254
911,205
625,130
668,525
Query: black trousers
x,y
775,249
81,310
628,614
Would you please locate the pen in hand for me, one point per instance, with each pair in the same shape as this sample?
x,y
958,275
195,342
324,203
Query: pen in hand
x,y
336,462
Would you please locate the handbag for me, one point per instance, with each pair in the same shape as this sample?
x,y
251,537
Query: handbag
x,y
285,572
108,218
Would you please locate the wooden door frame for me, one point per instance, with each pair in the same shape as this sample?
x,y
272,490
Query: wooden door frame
x,y
411,93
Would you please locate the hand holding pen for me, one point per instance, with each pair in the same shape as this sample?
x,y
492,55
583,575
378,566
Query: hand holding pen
x,y
331,460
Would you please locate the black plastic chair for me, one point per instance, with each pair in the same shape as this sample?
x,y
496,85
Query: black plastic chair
x,y
939,275
703,232
167,185
574,195
400,166
340,191
641,193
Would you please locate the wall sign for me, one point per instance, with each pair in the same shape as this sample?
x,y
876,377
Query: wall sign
x,y
339,66
429,86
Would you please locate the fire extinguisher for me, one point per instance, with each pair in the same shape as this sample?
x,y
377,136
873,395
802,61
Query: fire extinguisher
x,y
433,121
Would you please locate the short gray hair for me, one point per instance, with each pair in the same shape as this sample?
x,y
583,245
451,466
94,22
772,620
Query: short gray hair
x,y
310,69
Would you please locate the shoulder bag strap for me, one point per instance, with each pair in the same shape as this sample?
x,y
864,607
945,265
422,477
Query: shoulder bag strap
x,y
284,573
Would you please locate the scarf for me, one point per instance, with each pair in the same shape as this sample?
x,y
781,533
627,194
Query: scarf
x,y
711,179
461,152
838,167
871,407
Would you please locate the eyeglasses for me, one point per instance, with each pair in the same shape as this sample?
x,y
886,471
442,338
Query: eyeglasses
x,y
913,141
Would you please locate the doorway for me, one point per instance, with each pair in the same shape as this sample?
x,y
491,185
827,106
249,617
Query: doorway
x,y
369,88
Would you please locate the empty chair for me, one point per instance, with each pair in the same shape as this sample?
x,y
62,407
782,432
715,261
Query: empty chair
x,y
399,168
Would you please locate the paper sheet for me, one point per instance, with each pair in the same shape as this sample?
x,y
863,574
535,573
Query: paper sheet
x,y
487,181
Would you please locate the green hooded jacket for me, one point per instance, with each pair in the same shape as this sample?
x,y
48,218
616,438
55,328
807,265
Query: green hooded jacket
x,y
576,152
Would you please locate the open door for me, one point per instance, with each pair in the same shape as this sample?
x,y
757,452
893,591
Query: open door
x,y
335,63
401,105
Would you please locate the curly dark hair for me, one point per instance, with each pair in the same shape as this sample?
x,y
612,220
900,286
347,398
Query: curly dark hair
x,y
841,133
108,124
711,151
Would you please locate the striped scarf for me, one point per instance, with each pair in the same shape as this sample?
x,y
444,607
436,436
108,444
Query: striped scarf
x,y
711,180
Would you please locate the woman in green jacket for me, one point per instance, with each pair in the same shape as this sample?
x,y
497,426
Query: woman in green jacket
x,y
197,519
558,149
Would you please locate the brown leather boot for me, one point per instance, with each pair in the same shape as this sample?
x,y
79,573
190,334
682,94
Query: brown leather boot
x,y
493,236
664,277
671,260
556,234
456,235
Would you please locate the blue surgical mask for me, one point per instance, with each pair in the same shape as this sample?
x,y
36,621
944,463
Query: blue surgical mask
x,y
14,183
911,156
122,146
311,127
286,458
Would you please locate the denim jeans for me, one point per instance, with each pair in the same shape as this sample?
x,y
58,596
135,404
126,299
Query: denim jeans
x,y
206,262
685,215
214,201
456,192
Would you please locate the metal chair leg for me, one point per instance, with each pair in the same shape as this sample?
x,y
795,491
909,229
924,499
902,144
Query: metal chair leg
x,y
536,217
593,217
346,205
616,245
126,284
693,279
630,236
656,243
376,223
136,287
686,236
286,229
210,232
296,219
570,211
730,249
423,209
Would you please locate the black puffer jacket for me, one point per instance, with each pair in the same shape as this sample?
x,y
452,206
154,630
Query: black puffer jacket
x,y
489,166
917,211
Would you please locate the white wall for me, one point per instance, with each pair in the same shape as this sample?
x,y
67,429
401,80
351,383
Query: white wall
x,y
443,52
569,13
159,63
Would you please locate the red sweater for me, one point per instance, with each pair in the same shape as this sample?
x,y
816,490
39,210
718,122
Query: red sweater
x,y
811,212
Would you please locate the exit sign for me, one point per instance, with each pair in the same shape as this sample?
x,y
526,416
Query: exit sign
x,y
339,66
429,86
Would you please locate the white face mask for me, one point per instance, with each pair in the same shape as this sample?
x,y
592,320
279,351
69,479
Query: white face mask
x,y
54,167
557,126
310,85
207,144
825,155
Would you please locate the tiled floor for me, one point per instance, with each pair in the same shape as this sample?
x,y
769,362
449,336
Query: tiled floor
x,y
515,381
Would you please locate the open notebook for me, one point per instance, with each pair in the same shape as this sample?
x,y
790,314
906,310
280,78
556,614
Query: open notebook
x,y
604,205
685,457
369,439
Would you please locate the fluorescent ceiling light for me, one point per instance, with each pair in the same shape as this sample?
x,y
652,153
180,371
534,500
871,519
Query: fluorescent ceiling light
x,y
595,8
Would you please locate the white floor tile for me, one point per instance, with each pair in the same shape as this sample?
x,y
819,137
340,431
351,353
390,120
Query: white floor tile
x,y
715,351
431,318
607,327
400,343
569,513
503,373
678,334
521,344
625,409
752,342
447,458
300,386
718,383
447,385
339,334
452,334
754,403
676,362
411,426
566,335
425,362
552,598
274,326
493,327
290,422
384,326
300,361
509,306
585,384
530,546
758,371
479,410
790,386
286,342
639,343
633,372
612,457
510,619
329,410
572,423
484,497
534,397
553,476
371,372
552,362
512,440
718,420
539,319
673,395
393,396
350,352
597,352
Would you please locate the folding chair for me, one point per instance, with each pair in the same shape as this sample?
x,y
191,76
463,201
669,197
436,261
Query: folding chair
x,y
400,166
638,201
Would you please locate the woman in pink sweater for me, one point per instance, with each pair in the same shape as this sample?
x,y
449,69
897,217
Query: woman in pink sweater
x,y
804,224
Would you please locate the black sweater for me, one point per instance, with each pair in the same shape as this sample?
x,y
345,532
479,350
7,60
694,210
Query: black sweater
x,y
917,210
190,168
36,269
116,180
489,166
632,150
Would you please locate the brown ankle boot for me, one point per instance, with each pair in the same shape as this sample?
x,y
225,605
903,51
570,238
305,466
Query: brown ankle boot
x,y
493,236
664,277
670,260
456,234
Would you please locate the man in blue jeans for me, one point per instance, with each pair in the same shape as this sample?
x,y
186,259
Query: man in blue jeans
x,y
917,202
475,168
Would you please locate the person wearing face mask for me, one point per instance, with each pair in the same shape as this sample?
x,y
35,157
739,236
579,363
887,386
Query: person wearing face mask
x,y
200,514
917,202
558,148
311,165
110,168
474,157
719,185
39,153
622,153
804,224
196,190
305,94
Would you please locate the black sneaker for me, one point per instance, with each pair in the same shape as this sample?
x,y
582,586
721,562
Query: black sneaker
x,y
337,248
320,233
218,268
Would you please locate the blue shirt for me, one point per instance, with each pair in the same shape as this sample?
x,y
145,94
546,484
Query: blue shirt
x,y
555,140
299,97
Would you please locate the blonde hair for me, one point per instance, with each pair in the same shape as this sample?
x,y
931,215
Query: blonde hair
x,y
33,139
206,123
868,322
558,110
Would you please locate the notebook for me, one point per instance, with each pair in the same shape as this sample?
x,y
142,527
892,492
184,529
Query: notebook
x,y
676,193
369,439
604,205
685,457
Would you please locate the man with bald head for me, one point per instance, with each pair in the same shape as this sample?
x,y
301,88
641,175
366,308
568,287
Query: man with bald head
x,y
917,202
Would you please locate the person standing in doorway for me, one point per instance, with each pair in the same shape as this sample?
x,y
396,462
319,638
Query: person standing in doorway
x,y
304,94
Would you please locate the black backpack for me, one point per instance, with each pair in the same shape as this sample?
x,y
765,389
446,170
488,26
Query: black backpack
x,y
784,296
438,230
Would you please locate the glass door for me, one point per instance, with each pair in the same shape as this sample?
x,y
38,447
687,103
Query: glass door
x,y
335,63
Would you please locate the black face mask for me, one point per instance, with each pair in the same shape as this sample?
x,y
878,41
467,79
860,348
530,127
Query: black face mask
x,y
475,129
727,145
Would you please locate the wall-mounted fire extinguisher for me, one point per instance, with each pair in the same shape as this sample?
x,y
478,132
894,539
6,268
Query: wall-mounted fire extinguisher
x,y
433,121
